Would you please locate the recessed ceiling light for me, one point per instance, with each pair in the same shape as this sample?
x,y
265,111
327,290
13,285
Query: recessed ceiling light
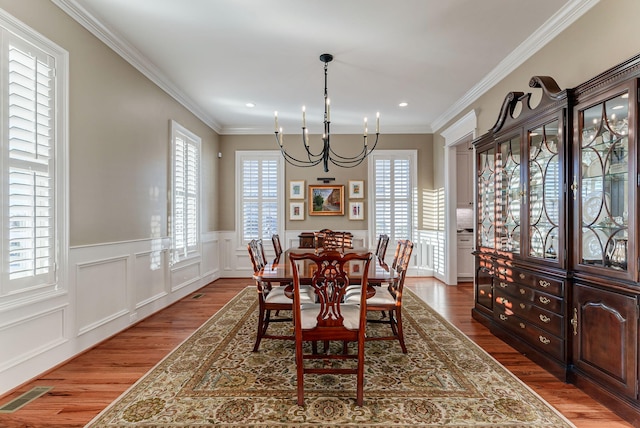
x,y
403,104
250,105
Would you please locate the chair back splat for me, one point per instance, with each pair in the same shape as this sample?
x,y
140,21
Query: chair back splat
x,y
329,318
381,248
277,246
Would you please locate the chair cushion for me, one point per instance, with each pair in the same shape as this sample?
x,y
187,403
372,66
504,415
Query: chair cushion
x,y
382,297
309,316
277,295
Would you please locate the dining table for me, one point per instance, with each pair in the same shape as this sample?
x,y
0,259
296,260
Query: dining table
x,y
280,271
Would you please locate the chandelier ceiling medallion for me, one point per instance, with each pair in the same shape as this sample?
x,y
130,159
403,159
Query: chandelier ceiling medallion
x,y
327,154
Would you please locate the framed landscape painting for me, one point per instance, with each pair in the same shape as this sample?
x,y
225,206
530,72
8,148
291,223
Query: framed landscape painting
x,y
326,199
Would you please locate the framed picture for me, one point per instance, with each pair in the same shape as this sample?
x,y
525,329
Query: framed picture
x,y
296,210
326,199
356,189
296,189
356,211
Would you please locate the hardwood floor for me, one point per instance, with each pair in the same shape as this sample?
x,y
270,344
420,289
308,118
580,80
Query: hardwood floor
x,y
88,383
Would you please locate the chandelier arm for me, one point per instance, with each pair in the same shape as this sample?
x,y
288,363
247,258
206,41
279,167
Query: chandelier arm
x,y
363,154
298,162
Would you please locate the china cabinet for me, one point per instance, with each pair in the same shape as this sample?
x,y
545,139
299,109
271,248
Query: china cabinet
x,y
557,261
521,291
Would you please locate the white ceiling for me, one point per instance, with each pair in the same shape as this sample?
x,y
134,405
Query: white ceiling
x,y
214,56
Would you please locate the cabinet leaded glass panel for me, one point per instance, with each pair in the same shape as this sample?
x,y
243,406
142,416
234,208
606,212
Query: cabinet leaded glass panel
x,y
604,183
486,198
544,191
509,201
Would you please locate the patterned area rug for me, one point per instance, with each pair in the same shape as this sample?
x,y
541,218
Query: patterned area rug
x,y
213,379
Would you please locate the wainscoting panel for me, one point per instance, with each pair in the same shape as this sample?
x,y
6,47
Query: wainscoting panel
x,y
185,274
150,277
102,290
42,331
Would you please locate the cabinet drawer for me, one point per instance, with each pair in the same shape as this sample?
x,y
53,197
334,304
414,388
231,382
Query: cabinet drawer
x,y
546,320
540,282
531,334
526,294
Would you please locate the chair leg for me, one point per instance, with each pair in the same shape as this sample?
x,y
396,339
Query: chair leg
x,y
360,375
399,332
260,329
300,373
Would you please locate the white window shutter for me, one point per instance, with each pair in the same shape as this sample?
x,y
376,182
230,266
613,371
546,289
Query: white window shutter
x,y
30,198
184,225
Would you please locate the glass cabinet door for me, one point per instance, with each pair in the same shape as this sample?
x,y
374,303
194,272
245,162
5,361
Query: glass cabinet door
x,y
544,191
509,197
603,195
486,198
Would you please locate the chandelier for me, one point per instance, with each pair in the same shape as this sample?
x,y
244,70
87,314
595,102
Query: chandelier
x,y
327,154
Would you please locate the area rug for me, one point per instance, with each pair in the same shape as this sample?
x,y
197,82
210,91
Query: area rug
x,y
213,379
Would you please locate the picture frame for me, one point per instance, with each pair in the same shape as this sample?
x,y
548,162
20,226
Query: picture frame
x,y
296,189
356,210
326,199
296,210
356,189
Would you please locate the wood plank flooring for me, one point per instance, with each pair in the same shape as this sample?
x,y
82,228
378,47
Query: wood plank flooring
x,y
88,383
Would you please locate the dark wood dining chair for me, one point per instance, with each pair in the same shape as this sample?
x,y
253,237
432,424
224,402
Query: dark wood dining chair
x,y
389,300
270,298
329,319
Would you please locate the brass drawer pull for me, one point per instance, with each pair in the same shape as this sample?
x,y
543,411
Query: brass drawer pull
x,y
503,317
544,318
522,276
522,325
522,306
544,300
522,291
544,283
502,271
544,340
504,285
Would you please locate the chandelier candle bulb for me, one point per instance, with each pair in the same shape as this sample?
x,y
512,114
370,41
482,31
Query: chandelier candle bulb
x,y
365,126
328,110
304,117
280,137
377,122
276,119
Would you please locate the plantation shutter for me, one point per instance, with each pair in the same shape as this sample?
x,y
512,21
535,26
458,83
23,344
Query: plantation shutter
x,y
186,185
393,195
29,203
259,198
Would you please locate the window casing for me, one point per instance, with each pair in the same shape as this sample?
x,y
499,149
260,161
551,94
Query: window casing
x,y
185,194
260,195
393,191
33,155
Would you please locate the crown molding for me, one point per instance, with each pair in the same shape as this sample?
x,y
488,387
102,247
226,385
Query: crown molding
x,y
555,25
133,57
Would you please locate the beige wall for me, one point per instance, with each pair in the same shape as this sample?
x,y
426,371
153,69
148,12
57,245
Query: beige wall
x,y
599,40
341,143
118,136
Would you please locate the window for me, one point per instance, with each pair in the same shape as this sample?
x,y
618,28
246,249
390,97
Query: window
x,y
185,230
32,153
260,180
393,178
